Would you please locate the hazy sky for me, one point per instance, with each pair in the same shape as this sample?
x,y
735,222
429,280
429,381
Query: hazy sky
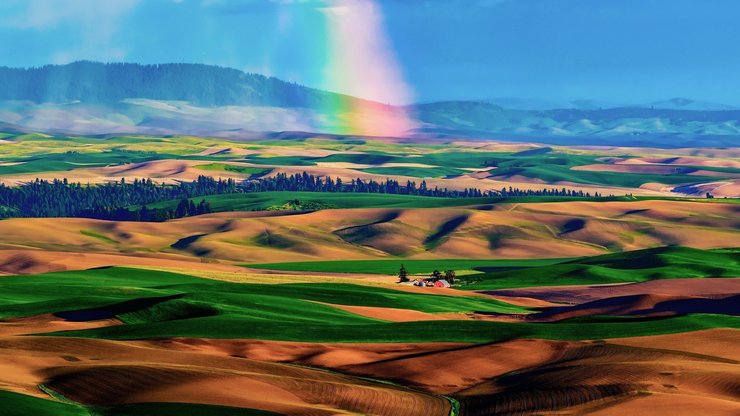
x,y
624,51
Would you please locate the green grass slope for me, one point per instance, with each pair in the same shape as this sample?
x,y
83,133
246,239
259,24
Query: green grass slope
x,y
258,201
225,167
176,409
551,167
419,331
417,172
413,266
156,304
633,266
139,296
15,404
64,161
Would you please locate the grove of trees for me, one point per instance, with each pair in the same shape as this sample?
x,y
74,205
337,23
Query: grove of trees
x,y
130,201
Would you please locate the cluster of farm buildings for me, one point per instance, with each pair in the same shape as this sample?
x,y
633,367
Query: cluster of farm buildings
x,y
429,282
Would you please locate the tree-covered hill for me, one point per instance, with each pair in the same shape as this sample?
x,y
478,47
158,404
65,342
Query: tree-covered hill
x,y
204,85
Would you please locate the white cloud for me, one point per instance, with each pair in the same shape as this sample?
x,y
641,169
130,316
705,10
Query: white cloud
x,y
48,14
97,21
297,1
335,10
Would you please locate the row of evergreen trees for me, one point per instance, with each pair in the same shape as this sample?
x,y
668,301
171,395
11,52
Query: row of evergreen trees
x,y
301,182
185,208
506,192
128,201
60,198
307,182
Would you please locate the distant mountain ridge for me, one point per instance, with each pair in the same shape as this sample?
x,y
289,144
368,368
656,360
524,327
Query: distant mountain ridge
x,y
676,103
680,103
202,85
95,98
626,126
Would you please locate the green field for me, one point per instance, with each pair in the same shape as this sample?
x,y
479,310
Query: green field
x,y
156,304
101,237
417,331
64,161
280,160
15,404
550,167
259,201
225,167
146,296
413,266
555,167
175,409
417,172
625,267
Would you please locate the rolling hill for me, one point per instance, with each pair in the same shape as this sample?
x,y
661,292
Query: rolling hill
x,y
201,85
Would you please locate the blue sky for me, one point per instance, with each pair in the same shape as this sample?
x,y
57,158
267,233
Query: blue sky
x,y
624,51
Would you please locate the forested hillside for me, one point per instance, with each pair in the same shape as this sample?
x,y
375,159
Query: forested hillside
x,y
113,201
205,85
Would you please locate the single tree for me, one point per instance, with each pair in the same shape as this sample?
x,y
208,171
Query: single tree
x,y
183,208
403,275
450,276
436,275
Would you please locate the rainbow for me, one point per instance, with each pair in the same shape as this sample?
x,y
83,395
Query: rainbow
x,y
355,56
360,60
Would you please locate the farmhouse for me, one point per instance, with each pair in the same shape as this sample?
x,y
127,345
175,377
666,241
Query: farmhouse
x,y
431,283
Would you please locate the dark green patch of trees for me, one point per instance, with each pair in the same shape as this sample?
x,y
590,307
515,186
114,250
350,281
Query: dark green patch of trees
x,y
449,275
403,275
546,192
60,198
305,182
116,200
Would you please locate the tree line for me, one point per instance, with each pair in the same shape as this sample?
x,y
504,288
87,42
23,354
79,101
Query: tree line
x,y
60,198
305,182
449,275
131,201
